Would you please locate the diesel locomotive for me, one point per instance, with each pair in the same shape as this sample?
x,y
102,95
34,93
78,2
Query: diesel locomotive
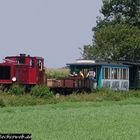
x,y
25,70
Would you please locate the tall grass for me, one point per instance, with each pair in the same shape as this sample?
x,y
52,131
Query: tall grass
x,y
41,91
56,73
42,95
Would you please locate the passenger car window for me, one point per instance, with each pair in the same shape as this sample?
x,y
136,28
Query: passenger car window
x,y
106,73
125,74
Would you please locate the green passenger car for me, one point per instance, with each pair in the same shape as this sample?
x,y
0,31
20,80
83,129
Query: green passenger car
x,y
109,75
134,74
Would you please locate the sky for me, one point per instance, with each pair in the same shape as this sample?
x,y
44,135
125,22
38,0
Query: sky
x,y
52,29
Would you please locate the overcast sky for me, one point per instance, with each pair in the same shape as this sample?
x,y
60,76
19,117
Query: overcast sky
x,y
52,29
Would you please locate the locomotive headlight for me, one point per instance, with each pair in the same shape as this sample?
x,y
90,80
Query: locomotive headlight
x,y
14,79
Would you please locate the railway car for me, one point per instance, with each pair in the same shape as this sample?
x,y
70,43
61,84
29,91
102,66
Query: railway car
x,y
66,85
24,69
134,74
109,75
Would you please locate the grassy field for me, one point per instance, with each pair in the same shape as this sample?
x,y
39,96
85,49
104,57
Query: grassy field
x,y
106,120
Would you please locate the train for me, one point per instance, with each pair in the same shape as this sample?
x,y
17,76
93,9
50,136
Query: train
x,y
30,71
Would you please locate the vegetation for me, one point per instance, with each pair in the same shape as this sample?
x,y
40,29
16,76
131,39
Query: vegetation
x,y
78,120
41,91
117,34
101,115
17,89
117,42
119,12
2,103
42,95
39,95
56,73
20,100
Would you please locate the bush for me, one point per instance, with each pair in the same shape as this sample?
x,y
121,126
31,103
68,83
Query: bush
x,y
41,91
135,93
17,89
114,95
2,102
1,88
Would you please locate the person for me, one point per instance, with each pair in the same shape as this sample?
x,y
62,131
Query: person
x,y
81,74
74,74
91,74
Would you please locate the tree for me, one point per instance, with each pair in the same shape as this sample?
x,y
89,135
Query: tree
x,y
116,42
117,34
121,11
88,52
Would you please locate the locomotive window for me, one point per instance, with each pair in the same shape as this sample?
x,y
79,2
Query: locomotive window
x,y
5,72
40,64
21,60
32,63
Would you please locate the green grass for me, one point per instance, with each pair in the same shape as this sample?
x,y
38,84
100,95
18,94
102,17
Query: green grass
x,y
106,120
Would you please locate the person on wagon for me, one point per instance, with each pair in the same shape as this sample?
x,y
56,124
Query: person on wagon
x,y
91,74
81,74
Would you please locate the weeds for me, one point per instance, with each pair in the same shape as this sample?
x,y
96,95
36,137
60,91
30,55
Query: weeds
x,y
42,95
2,102
41,91
16,89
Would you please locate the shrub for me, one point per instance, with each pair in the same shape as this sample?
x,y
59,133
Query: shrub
x,y
17,89
135,93
2,102
1,88
41,91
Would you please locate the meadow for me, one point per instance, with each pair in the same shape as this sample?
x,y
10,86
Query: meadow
x,y
107,120
103,115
